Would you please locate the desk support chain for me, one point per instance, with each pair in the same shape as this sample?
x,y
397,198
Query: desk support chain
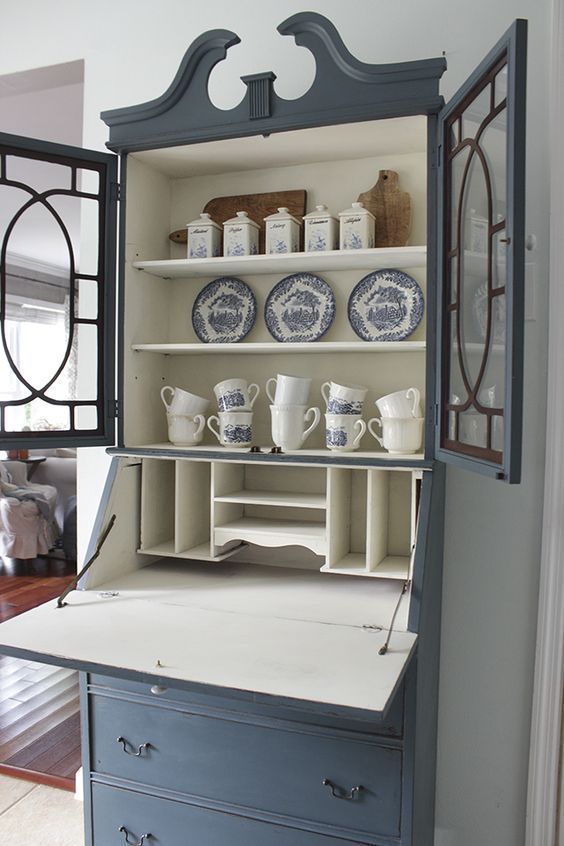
x,y
61,600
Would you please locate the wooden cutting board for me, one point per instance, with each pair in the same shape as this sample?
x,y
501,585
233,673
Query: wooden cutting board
x,y
391,208
258,206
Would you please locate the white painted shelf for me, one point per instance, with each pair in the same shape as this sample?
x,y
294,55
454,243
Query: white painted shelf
x,y
267,532
215,452
270,348
277,498
374,259
353,564
197,553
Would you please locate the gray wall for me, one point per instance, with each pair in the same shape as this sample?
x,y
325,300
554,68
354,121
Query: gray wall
x,y
131,51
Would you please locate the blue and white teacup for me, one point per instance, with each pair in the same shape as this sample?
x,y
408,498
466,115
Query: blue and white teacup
x,y
343,399
343,431
235,428
236,394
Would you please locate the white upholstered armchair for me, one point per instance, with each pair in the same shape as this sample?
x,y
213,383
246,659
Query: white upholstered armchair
x,y
27,512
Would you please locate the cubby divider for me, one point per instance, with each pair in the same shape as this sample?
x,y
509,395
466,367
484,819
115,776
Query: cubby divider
x,y
361,521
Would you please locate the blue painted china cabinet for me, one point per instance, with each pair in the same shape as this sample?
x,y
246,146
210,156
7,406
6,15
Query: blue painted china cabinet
x,y
258,632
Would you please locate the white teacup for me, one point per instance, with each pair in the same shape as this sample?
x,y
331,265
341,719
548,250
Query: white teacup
x,y
183,402
185,429
402,404
235,428
399,435
288,425
236,394
343,431
290,390
343,399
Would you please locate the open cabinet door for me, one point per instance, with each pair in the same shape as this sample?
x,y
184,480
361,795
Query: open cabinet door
x,y
481,265
57,294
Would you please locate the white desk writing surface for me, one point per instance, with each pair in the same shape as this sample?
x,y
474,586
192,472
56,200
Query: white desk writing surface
x,y
288,633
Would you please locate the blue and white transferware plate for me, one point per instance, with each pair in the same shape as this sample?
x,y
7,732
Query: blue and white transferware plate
x,y
386,305
224,311
299,308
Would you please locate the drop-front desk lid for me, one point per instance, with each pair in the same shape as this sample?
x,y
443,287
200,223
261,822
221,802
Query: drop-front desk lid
x,y
269,632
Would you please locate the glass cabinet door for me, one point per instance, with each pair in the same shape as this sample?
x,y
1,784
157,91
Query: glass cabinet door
x,y
481,272
57,290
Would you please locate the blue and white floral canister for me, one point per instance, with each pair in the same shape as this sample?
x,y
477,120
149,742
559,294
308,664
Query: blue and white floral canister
x,y
204,237
282,232
240,236
357,227
321,230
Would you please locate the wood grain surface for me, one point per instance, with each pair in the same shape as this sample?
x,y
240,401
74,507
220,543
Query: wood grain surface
x,y
39,705
391,208
257,206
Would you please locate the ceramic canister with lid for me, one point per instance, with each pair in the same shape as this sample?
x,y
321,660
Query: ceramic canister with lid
x,y
240,236
321,230
204,237
282,232
357,228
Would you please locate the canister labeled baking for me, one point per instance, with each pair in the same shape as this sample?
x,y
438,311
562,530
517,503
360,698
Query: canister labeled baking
x,y
321,230
282,232
240,236
356,228
204,237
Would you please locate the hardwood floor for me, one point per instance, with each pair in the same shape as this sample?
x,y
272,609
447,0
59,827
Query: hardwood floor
x,y
39,704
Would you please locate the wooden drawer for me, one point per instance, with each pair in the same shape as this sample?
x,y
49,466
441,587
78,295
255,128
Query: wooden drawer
x,y
173,823
256,767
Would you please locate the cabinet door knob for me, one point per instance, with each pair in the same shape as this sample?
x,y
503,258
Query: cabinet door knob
x,y
158,689
125,833
340,793
140,749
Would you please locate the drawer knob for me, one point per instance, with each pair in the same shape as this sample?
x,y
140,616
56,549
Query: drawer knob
x,y
140,749
125,833
340,793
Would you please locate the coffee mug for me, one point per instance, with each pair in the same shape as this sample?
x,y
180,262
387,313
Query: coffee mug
x,y
343,399
235,428
183,402
401,404
290,390
399,435
235,394
343,431
288,425
185,429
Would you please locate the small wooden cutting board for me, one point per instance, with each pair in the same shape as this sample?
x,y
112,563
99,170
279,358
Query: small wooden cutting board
x,y
257,206
391,208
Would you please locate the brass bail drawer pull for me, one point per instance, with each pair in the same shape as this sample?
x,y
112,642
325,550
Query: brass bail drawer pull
x,y
140,749
125,832
339,793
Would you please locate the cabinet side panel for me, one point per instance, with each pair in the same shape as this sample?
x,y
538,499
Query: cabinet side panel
x,y
146,308
118,554
425,617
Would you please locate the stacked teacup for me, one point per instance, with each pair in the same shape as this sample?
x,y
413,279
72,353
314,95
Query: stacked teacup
x,y
184,413
235,400
344,426
289,413
401,421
